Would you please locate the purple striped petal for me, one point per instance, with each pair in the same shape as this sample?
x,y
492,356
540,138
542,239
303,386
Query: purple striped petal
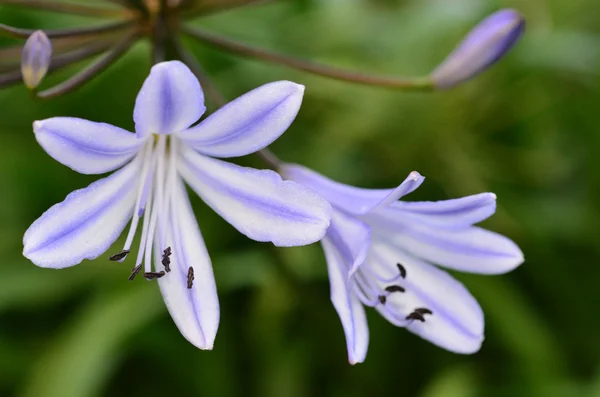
x,y
347,305
472,249
448,214
351,238
169,101
258,203
85,146
194,310
249,123
351,199
457,322
86,223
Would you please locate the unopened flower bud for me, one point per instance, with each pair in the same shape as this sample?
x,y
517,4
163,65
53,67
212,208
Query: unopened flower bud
x,y
487,42
35,59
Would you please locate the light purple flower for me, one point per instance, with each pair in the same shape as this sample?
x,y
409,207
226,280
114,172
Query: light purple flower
x,y
35,58
152,166
383,253
487,42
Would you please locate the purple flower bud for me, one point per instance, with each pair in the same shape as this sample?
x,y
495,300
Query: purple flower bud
x,y
487,42
35,59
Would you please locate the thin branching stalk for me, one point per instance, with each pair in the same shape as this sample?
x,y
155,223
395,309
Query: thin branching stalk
x,y
70,8
246,50
19,33
91,70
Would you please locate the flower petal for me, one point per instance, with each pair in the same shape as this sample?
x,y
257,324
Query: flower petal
x,y
86,223
472,249
85,146
457,321
170,100
194,310
258,203
350,199
248,123
447,214
351,238
347,305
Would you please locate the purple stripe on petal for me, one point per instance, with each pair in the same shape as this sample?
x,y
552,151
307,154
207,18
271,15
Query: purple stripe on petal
x,y
457,322
170,100
85,146
448,214
194,310
347,198
85,224
258,203
248,123
347,305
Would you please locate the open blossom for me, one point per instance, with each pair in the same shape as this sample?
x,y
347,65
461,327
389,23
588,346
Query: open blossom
x,y
148,187
383,253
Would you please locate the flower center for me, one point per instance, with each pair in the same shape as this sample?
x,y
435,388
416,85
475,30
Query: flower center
x,y
154,207
374,290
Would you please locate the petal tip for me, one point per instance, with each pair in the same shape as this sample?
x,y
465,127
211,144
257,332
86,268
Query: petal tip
x,y
415,176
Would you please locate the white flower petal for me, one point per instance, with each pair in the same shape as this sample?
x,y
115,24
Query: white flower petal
x,y
85,146
258,203
352,239
457,322
248,123
447,214
86,223
347,305
195,311
170,100
470,249
350,199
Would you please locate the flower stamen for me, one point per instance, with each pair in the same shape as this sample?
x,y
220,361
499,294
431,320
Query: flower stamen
x,y
153,275
134,272
190,277
119,255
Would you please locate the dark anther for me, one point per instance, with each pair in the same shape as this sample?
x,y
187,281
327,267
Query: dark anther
x,y
153,275
394,288
382,299
166,260
118,256
423,310
416,316
190,277
134,272
402,270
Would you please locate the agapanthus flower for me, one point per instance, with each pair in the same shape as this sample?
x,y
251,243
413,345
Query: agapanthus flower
x,y
152,165
384,253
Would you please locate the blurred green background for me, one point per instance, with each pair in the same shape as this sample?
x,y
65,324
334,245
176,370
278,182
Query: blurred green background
x,y
528,130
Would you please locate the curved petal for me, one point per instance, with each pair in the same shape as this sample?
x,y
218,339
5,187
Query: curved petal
x,y
457,321
351,238
447,214
170,100
353,200
248,123
258,203
471,249
347,305
194,310
85,146
86,223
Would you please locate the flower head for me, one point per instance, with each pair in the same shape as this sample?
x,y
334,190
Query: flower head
x,y
383,253
487,43
148,186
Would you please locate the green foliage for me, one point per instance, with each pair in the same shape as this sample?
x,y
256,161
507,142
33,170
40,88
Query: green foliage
x,y
528,130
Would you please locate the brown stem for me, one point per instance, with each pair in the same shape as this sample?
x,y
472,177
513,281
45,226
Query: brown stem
x,y
69,8
307,66
70,32
91,70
